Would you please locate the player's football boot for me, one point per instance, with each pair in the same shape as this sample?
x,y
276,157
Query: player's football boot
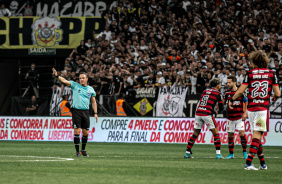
x,y
77,154
230,156
250,167
187,155
219,156
263,167
245,154
83,152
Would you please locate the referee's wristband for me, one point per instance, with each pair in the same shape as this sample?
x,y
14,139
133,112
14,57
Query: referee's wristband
x,y
57,76
95,112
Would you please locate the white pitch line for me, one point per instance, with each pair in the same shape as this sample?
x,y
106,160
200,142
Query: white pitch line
x,y
36,157
33,160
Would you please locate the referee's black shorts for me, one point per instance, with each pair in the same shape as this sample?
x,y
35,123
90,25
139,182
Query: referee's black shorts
x,y
80,119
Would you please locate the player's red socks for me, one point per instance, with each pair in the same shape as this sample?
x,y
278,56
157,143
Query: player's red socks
x,y
217,142
260,154
84,141
231,144
76,141
253,150
244,143
191,142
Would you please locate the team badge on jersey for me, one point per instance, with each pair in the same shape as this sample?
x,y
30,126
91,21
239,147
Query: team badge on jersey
x,y
79,91
88,94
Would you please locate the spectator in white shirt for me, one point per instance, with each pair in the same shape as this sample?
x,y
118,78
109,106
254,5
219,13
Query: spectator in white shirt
x,y
160,79
4,12
107,32
185,3
194,51
143,46
132,27
239,77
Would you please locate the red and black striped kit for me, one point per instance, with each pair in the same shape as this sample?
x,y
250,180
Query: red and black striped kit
x,y
260,82
236,112
208,100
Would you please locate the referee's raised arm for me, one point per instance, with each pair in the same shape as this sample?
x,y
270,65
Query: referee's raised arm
x,y
63,80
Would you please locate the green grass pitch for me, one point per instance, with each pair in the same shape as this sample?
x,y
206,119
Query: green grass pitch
x,y
54,162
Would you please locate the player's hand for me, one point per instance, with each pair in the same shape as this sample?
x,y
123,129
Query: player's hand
x,y
55,72
274,98
230,104
244,117
96,117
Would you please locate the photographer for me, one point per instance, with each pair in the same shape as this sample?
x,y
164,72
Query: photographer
x,y
31,109
32,76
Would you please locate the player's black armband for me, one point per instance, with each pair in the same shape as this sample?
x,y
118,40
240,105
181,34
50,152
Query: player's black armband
x,y
232,100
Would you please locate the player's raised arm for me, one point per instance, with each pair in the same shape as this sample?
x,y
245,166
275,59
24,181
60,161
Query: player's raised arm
x,y
63,80
238,93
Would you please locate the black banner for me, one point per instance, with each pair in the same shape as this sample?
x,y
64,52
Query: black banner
x,y
55,8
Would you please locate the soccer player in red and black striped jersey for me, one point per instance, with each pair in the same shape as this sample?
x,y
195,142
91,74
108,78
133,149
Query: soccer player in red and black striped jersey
x,y
235,120
204,114
260,82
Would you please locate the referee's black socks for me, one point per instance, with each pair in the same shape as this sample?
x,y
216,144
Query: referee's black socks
x,y
84,141
76,141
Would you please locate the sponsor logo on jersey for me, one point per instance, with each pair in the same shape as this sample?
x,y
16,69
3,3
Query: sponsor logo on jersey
x,y
255,71
258,101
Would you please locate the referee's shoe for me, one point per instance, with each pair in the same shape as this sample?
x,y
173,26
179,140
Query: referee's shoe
x,y
83,152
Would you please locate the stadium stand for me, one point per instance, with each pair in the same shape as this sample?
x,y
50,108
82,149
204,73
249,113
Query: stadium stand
x,y
176,42
198,39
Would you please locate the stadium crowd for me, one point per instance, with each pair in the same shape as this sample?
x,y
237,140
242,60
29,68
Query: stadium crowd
x,y
182,43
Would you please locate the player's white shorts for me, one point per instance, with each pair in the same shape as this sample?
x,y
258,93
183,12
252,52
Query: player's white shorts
x,y
208,120
259,120
232,125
